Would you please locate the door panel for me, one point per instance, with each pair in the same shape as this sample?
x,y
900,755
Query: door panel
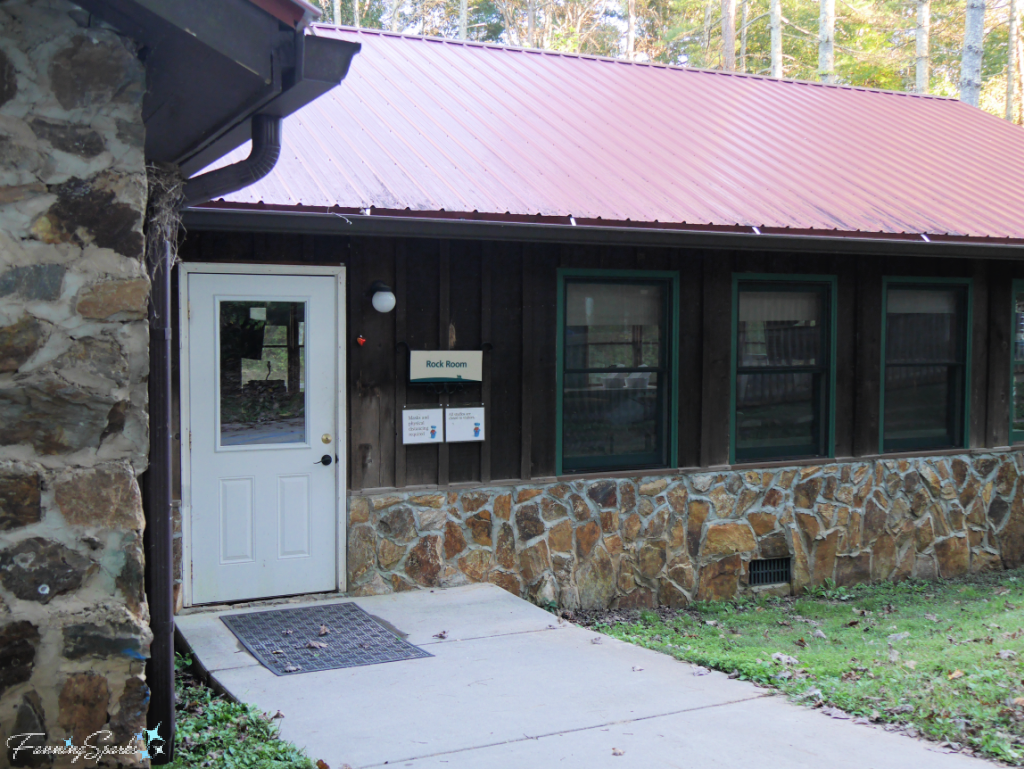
x,y
262,384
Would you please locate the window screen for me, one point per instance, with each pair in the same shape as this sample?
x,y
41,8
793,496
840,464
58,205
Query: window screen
x,y
783,370
615,374
924,381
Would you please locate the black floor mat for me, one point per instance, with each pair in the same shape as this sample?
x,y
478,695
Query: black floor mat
x,y
291,641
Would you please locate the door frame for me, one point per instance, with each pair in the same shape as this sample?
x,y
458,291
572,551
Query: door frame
x,y
341,417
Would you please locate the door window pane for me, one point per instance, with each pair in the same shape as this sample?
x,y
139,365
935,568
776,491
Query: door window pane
x,y
782,370
925,367
614,396
262,372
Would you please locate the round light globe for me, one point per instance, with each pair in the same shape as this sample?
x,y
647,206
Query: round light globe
x,y
383,301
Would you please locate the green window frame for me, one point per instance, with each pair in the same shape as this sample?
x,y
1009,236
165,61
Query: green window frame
x,y
823,392
667,372
958,369
1017,362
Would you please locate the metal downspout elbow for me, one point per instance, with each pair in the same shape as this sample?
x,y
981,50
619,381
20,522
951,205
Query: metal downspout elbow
x,y
266,149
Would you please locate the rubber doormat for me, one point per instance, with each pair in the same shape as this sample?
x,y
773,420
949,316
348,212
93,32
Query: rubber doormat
x,y
310,638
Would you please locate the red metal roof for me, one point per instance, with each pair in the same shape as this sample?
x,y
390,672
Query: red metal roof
x,y
446,128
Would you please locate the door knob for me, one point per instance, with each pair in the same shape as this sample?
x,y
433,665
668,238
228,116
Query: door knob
x,y
326,437
325,460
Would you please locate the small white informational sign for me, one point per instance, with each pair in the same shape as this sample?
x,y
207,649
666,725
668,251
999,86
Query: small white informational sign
x,y
423,426
464,423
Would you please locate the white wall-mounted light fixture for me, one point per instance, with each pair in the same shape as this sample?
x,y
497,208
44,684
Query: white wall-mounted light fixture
x,y
382,297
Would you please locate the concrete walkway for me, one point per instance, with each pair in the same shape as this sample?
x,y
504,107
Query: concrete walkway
x,y
512,686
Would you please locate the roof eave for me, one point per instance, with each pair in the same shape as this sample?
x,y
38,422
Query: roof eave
x,y
227,217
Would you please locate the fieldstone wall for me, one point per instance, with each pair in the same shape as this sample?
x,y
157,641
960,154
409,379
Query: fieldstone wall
x,y
669,540
73,366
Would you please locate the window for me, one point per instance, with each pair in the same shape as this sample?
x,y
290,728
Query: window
x,y
616,354
783,364
1017,366
925,350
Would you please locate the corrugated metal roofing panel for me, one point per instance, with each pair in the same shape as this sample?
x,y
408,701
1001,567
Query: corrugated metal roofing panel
x,y
432,126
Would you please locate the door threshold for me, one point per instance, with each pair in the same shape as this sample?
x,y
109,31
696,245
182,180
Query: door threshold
x,y
256,603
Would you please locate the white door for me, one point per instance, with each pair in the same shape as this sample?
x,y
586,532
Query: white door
x,y
263,399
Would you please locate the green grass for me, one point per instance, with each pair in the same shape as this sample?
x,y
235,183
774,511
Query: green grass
x,y
214,732
957,676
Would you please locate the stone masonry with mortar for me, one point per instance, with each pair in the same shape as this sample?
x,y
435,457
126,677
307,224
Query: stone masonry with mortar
x,y
643,541
74,340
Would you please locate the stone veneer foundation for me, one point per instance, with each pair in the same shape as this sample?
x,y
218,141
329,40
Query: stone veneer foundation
x,y
669,540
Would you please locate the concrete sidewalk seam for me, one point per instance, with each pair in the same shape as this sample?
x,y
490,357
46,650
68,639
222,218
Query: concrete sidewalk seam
x,y
525,738
485,637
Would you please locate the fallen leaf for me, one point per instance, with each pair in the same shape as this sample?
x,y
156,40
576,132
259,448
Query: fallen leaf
x,y
324,630
801,643
292,668
442,635
898,637
835,713
1018,700
1006,654
911,664
893,654
636,669
700,671
278,714
931,617
316,645
852,623
595,640
955,675
734,674
288,632
277,651
785,659
618,752
1002,590
321,764
819,634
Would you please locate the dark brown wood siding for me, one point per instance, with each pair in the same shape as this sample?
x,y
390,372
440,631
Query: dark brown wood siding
x,y
501,297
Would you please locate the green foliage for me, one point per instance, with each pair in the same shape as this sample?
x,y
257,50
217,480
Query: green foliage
x,y
213,732
944,659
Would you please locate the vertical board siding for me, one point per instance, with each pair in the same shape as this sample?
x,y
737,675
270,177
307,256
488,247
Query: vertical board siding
x,y
503,261
422,320
501,297
717,357
868,345
1000,341
465,320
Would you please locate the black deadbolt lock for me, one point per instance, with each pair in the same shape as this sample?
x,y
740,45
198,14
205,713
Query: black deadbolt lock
x,y
325,460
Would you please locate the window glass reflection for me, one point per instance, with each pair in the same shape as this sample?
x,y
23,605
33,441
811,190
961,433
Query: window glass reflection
x,y
262,372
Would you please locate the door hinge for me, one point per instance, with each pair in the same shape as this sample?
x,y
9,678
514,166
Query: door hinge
x,y
189,309
190,441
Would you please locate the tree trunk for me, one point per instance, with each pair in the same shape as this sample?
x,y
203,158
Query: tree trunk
x,y
743,34
631,30
395,15
1011,64
970,64
530,23
1020,76
826,41
729,35
921,36
705,41
336,12
355,13
776,11
463,18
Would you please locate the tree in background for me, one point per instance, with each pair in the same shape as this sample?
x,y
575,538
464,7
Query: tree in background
x,y
974,50
953,48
